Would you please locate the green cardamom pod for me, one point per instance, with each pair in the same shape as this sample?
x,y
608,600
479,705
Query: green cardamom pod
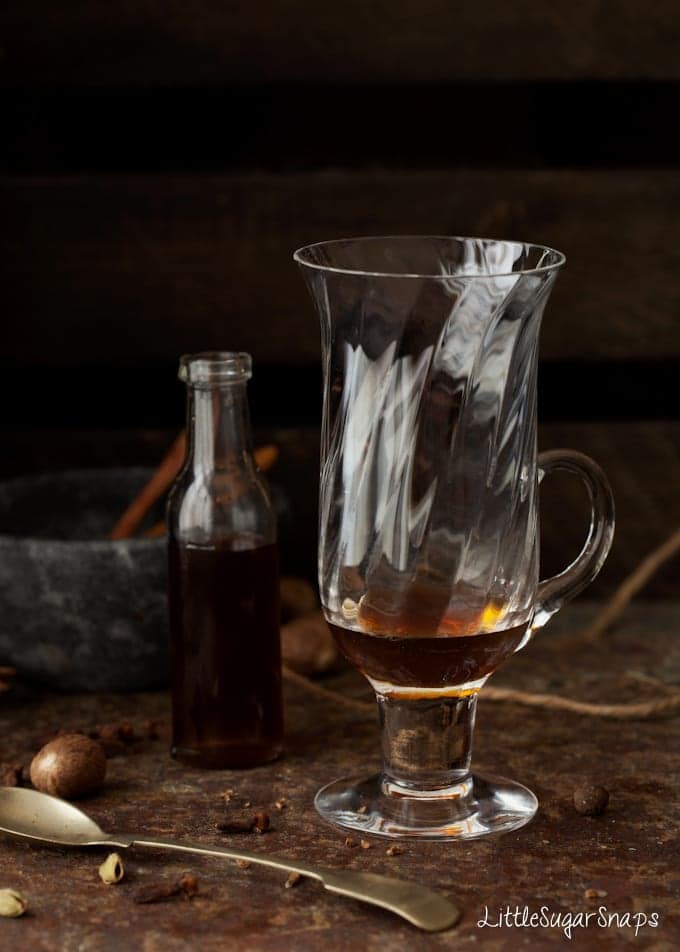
x,y
111,870
12,903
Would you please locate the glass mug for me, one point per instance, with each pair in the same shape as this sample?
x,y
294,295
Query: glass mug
x,y
428,547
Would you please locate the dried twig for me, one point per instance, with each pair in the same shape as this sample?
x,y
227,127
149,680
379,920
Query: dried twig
x,y
310,687
632,585
635,711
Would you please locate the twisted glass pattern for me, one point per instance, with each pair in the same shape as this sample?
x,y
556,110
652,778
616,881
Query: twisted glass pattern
x,y
428,518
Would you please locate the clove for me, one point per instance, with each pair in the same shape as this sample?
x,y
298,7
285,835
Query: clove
x,y
258,823
10,775
261,822
236,826
186,885
189,885
157,892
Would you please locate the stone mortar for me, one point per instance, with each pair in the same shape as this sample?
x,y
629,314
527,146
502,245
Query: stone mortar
x,y
79,612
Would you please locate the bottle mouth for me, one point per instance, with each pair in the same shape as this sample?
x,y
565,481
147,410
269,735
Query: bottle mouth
x,y
215,368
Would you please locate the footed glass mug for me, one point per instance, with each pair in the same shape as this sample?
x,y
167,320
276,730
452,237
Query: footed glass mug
x,y
428,550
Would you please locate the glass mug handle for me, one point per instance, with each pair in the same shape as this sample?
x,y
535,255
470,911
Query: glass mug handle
x,y
553,592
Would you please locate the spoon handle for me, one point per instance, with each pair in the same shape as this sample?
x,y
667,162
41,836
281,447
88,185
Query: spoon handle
x,y
276,862
419,905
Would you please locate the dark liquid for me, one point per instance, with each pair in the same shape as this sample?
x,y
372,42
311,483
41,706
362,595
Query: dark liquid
x,y
225,654
408,658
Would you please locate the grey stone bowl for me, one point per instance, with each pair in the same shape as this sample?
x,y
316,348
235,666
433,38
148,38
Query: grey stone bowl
x,y
77,611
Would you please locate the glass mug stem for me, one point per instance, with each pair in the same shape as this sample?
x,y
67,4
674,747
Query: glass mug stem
x,y
427,744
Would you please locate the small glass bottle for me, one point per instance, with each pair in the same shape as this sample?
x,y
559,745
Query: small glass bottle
x,y
225,654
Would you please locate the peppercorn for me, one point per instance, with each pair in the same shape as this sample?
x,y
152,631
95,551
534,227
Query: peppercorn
x,y
591,800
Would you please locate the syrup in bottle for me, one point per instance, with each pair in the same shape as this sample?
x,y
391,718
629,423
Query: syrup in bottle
x,y
225,654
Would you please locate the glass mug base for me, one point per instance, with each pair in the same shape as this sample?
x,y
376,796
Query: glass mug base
x,y
480,805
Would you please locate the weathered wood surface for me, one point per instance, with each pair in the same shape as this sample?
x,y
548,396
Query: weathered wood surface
x,y
102,267
631,853
207,42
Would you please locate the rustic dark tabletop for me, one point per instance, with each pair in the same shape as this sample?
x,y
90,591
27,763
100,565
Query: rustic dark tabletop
x,y
631,854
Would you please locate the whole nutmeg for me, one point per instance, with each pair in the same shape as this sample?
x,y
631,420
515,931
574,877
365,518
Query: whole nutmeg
x,y
12,903
307,646
591,800
70,766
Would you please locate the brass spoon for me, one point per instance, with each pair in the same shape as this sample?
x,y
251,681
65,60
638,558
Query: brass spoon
x,y
37,816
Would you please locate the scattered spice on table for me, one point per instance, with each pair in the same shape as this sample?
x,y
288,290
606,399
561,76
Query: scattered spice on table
x,y
186,885
111,870
10,775
12,903
261,822
189,885
258,823
157,892
591,800
235,826
594,894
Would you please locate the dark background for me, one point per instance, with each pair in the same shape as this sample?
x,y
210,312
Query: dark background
x,y
161,161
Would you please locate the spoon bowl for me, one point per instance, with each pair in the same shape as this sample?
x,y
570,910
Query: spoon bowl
x,y
38,816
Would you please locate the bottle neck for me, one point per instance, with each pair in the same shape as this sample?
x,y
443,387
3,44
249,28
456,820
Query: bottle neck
x,y
218,428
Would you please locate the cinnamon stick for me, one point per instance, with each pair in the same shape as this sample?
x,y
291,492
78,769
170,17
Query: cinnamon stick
x,y
7,675
160,482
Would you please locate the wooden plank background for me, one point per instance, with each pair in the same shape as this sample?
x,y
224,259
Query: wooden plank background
x,y
142,42
161,162
103,266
